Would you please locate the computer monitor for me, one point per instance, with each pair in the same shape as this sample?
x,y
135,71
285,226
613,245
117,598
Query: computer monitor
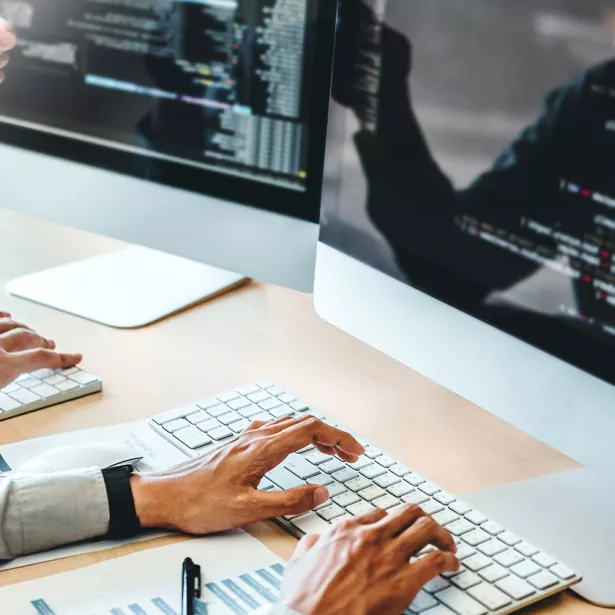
x,y
468,221
195,127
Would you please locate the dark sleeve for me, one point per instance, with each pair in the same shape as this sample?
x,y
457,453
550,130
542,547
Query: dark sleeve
x,y
415,206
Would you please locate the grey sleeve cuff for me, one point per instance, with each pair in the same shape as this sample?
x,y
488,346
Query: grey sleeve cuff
x,y
40,512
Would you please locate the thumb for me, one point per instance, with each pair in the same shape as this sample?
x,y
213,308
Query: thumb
x,y
294,501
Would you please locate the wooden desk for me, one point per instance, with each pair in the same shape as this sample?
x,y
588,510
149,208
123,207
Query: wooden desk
x,y
258,333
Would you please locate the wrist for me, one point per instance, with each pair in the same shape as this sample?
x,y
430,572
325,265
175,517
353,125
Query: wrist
x,y
151,501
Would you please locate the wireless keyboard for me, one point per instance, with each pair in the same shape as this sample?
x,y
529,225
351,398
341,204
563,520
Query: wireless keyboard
x,y
45,387
500,572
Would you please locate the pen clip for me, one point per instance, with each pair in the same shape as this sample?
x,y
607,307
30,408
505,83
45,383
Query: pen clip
x,y
193,578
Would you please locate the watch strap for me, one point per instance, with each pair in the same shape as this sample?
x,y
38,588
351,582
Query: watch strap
x,y
123,520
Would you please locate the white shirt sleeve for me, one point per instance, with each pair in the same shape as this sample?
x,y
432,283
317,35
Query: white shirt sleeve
x,y
43,511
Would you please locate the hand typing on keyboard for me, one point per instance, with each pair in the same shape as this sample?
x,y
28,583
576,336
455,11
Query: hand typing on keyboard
x,y
220,491
23,350
366,566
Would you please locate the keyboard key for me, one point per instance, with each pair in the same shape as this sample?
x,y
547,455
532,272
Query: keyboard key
x,y
257,398
476,517
543,580
228,396
264,417
464,551
83,378
386,480
15,387
229,417
436,585
358,483
344,475
248,390
460,602
509,538
299,406
492,547
249,411
331,512
216,411
176,425
29,383
220,433
544,560
490,596
400,489
68,371
206,404
45,390
432,507
41,374
372,471
525,548
265,484
414,479
171,415
525,569
317,458
385,502
360,508
429,488
563,572
198,417
208,425
55,379
385,461
458,528
445,517
311,523
331,466
444,498
423,602
344,517
278,413
270,404
276,391
477,562
494,573
399,470
237,404
465,580
287,398
346,499
300,466
336,489
492,528
240,426
8,403
508,558
24,396
67,385
416,497
371,452
372,492
475,537
192,437
283,478
440,610
320,479
360,464
515,587
461,508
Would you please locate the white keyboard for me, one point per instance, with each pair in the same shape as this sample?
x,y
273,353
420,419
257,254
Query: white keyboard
x,y
500,571
45,387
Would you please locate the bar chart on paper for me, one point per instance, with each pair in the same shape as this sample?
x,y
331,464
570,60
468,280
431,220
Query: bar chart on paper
x,y
238,595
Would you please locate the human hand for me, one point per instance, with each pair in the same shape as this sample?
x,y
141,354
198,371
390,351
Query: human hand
x,y
362,566
23,350
7,42
220,492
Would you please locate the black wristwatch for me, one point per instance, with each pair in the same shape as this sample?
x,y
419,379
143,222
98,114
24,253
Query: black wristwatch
x,y
123,520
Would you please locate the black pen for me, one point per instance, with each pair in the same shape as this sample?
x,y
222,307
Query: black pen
x,y
191,586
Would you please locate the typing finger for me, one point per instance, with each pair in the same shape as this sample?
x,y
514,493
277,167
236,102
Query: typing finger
x,y
7,37
417,575
23,339
422,533
41,358
8,324
397,522
292,502
306,544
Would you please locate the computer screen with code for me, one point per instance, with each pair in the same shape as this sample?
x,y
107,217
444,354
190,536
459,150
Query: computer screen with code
x,y
226,86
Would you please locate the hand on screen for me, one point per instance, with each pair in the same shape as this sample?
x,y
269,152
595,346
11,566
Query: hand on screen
x,y
7,42
23,350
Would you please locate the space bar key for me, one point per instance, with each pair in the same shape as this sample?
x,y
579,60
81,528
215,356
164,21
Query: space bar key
x,y
284,479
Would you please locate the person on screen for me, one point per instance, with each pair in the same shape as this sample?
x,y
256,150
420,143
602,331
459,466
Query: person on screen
x,y
426,220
